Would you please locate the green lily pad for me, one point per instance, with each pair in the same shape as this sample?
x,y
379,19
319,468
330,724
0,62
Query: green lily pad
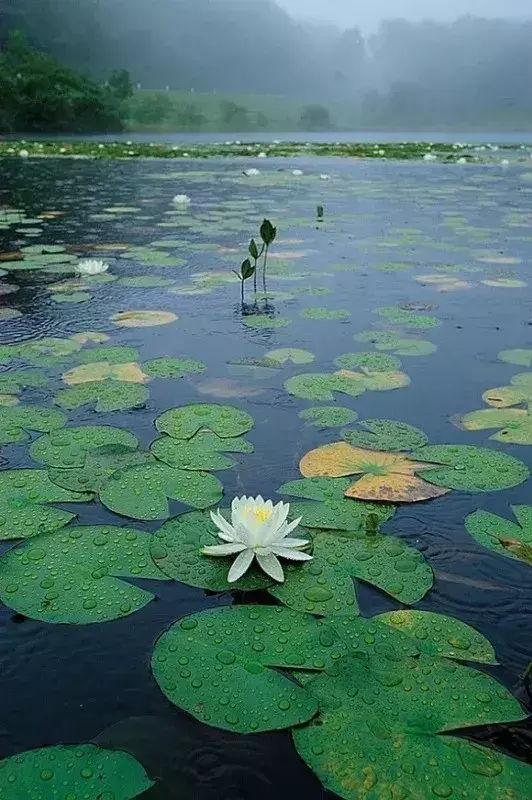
x,y
382,381
44,352
516,424
261,321
185,421
291,355
116,354
409,320
98,467
523,380
385,735
176,549
233,654
439,635
68,448
320,386
471,469
520,356
105,395
400,346
15,423
173,367
203,452
146,282
328,416
15,380
74,576
83,770
507,538
24,494
386,434
73,297
315,312
141,492
368,362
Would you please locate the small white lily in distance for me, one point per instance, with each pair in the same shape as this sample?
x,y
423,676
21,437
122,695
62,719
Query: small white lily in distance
x,y
181,200
91,266
258,529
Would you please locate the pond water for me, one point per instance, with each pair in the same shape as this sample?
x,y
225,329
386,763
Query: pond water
x,y
442,251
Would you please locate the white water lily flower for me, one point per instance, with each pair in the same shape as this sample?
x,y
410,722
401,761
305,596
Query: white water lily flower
x,y
23,154
325,177
429,157
91,266
297,172
181,200
262,154
250,173
258,529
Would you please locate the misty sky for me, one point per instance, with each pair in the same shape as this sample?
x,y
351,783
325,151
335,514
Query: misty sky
x,y
367,13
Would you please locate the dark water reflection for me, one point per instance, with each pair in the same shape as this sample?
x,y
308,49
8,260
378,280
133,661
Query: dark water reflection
x,y
68,683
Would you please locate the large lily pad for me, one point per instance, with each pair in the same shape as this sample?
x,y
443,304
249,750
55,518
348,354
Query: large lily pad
x,y
143,319
141,492
146,282
69,447
471,469
520,356
129,372
98,467
261,321
15,423
24,494
377,734
104,395
173,367
320,386
503,536
385,434
387,477
316,312
291,355
368,362
71,771
515,424
203,452
222,666
328,416
406,318
74,576
384,340
12,382
116,354
185,421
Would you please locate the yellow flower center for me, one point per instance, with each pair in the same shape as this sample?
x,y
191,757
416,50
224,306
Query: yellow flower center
x,y
260,514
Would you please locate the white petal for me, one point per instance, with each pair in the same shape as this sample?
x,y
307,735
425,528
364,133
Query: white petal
x,y
286,529
226,531
282,513
222,549
271,566
240,565
296,543
292,555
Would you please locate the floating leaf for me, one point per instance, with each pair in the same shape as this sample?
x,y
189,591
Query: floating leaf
x,y
438,635
143,319
516,424
386,434
315,312
117,354
103,371
15,423
7,400
234,654
98,467
82,770
498,533
73,576
506,396
291,355
173,367
264,321
74,297
90,336
203,452
399,317
401,347
320,386
185,421
141,492
12,382
387,477
105,395
471,469
378,381
368,362
384,736
328,416
176,549
522,357
505,283
69,447
146,282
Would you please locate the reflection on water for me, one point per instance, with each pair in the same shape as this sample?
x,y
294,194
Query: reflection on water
x,y
385,224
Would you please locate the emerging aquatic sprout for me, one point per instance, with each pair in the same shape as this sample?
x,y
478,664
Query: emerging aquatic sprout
x,y
258,529
246,271
181,200
319,213
267,234
255,254
91,266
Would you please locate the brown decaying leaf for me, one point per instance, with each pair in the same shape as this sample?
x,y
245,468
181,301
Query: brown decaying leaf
x,y
394,488
520,549
129,372
13,256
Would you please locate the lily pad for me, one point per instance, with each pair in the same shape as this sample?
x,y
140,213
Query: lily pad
x,y
203,452
98,467
386,734
74,297
173,367
176,549
506,396
117,354
315,312
386,476
438,635
15,423
143,319
68,448
146,282
105,395
400,346
141,492
261,321
129,372
399,317
516,424
13,381
378,381
328,416
520,356
507,538
386,434
185,421
471,469
235,654
291,355
320,386
9,400
83,770
368,362
74,576
90,336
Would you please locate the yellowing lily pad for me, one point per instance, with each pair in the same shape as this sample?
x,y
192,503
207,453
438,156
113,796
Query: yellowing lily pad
x,y
516,424
101,371
90,336
143,319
